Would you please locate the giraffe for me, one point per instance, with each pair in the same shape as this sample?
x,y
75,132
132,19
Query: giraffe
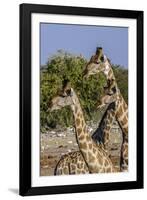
x,y
71,163
117,99
99,63
101,134
94,156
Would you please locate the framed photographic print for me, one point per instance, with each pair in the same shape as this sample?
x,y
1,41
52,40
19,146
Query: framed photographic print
x,y
81,99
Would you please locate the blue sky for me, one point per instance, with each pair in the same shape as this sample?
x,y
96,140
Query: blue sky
x,y
81,39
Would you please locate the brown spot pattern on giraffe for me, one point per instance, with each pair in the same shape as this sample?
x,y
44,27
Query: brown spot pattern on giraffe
x,y
82,123
90,146
76,109
81,137
119,112
77,122
100,161
94,150
91,157
73,167
125,120
79,131
65,170
83,145
79,165
87,138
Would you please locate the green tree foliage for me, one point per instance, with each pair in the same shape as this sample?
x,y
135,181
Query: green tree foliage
x,y
121,75
67,66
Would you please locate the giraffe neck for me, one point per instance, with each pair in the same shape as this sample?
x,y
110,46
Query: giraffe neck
x,y
122,118
122,113
105,126
121,107
92,154
109,120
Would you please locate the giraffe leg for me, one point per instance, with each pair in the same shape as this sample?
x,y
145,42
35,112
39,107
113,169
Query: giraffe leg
x,y
124,157
106,141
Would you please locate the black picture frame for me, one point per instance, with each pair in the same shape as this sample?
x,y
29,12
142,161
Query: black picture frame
x,y
25,187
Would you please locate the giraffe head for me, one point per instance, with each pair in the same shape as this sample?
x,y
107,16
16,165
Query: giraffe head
x,y
108,99
98,63
64,98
